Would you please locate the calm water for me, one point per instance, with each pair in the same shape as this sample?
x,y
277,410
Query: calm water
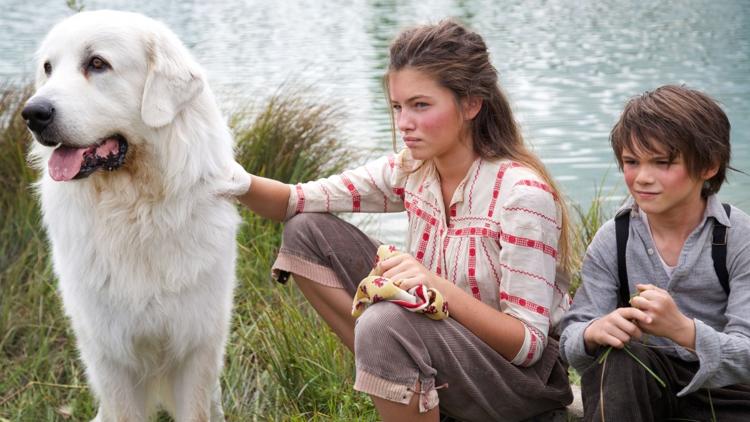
x,y
568,67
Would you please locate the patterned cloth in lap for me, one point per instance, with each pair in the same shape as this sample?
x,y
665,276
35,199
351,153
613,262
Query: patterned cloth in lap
x,y
376,288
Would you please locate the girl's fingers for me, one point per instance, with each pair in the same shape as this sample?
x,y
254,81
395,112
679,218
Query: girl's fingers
x,y
391,262
397,270
409,282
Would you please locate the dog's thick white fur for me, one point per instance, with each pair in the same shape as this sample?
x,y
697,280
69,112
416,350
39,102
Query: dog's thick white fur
x,y
145,253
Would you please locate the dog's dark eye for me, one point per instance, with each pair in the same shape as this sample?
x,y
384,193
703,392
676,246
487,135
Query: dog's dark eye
x,y
97,64
47,68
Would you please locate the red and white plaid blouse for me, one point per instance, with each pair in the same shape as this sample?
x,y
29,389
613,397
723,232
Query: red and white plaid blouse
x,y
497,241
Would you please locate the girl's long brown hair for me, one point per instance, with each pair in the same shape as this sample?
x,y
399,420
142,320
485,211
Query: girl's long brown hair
x,y
459,61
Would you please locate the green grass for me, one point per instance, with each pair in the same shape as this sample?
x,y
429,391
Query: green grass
x,y
282,362
585,225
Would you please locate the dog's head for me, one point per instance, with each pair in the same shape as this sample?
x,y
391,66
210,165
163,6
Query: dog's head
x,y
105,80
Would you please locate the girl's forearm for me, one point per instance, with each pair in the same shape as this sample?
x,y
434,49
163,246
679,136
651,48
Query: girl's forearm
x,y
504,333
267,198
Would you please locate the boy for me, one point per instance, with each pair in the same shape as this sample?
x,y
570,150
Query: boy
x,y
683,322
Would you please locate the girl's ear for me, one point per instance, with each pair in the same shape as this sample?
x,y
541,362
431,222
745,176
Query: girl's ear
x,y
470,107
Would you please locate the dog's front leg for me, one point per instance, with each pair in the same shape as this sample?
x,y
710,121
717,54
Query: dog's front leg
x,y
217,410
121,397
196,389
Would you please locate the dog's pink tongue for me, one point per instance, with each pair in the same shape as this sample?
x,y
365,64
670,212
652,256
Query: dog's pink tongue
x,y
65,162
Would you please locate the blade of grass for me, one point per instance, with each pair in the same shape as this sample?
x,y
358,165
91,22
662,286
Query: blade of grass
x,y
653,374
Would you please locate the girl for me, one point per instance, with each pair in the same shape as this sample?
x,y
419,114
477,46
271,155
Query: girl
x,y
487,228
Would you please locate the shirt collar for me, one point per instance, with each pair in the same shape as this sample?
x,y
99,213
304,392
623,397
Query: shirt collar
x,y
432,180
715,209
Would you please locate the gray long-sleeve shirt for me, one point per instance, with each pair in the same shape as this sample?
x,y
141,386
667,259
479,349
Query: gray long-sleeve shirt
x,y
722,324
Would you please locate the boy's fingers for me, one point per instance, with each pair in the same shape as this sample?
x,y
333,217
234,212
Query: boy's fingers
x,y
634,313
610,340
644,287
626,330
639,302
650,295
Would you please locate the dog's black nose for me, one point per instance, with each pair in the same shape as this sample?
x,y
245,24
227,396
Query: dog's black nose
x,y
38,113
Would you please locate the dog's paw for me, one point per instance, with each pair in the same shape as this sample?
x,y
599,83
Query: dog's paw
x,y
236,181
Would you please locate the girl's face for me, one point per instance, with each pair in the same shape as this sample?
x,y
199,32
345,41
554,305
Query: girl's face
x,y
427,116
661,187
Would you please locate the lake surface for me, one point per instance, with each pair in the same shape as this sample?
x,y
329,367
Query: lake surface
x,y
568,67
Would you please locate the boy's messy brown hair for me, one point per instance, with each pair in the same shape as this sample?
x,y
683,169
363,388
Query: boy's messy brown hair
x,y
678,121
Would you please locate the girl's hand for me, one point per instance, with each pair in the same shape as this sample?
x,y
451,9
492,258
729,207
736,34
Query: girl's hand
x,y
666,319
615,329
406,269
235,181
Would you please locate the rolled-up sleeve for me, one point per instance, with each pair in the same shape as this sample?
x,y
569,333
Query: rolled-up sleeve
x,y
528,261
596,296
374,187
724,356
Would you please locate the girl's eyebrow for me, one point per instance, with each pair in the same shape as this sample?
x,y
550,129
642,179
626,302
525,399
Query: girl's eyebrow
x,y
413,98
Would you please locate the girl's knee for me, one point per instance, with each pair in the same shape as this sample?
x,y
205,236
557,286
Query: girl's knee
x,y
380,326
304,223
303,231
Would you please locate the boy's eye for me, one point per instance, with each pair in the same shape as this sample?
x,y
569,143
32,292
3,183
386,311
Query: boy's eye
x,y
420,104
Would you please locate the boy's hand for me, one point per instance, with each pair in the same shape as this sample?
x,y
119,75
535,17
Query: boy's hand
x,y
615,329
666,319
406,269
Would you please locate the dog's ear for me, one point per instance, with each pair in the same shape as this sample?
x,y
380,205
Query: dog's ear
x,y
174,79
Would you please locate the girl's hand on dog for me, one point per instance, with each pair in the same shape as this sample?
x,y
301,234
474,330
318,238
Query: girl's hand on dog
x,y
236,181
408,271
666,319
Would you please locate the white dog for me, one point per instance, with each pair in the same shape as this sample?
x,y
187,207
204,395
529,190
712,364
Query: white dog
x,y
135,159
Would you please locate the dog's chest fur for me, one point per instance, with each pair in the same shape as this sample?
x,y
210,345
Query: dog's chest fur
x,y
137,266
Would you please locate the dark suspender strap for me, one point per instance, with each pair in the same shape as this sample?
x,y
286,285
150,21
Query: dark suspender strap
x,y
622,229
719,251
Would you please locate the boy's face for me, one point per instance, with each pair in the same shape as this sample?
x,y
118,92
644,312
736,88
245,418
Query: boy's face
x,y
661,187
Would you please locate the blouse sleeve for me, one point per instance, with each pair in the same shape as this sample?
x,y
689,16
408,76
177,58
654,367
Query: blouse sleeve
x,y
530,224
374,187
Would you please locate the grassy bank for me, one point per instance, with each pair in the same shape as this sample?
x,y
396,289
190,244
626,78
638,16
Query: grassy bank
x,y
282,363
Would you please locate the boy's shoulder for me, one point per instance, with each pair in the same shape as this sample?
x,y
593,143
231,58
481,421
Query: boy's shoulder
x,y
739,225
739,217
606,233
